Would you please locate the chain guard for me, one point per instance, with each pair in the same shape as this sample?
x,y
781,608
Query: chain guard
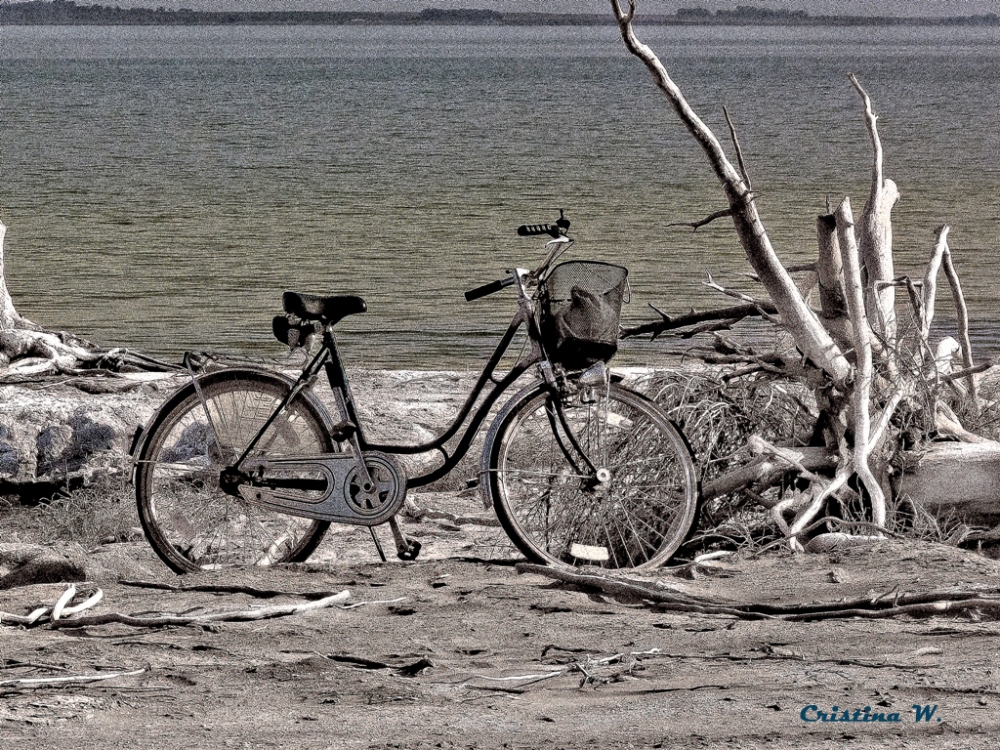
x,y
327,488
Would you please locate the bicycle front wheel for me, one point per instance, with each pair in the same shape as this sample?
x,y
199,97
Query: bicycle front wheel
x,y
630,507
189,520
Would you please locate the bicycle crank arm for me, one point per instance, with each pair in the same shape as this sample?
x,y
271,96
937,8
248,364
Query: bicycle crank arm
x,y
329,487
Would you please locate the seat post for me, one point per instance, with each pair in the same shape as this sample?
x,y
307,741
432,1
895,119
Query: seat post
x,y
337,377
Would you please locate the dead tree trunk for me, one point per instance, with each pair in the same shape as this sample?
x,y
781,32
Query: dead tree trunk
x,y
875,233
8,315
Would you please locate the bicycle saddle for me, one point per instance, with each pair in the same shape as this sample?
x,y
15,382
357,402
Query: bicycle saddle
x,y
327,310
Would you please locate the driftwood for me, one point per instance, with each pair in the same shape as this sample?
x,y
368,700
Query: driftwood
x,y
27,349
62,608
768,469
940,477
861,363
216,588
62,613
809,334
927,604
263,613
875,232
42,682
728,315
961,476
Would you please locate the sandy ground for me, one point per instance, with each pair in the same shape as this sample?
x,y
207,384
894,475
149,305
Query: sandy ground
x,y
458,650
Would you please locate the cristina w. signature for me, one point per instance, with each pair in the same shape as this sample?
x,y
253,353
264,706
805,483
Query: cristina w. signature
x,y
813,713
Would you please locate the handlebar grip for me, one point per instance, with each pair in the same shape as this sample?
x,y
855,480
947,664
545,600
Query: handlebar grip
x,y
487,289
529,230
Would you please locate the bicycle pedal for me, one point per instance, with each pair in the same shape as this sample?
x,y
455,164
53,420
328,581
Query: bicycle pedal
x,y
409,551
343,431
406,549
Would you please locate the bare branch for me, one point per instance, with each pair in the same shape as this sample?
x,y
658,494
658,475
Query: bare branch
x,y
695,225
262,613
875,231
965,373
809,334
668,323
739,151
767,470
962,311
871,120
930,277
72,679
710,283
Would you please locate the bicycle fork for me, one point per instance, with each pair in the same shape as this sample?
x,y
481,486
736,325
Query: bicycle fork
x,y
596,377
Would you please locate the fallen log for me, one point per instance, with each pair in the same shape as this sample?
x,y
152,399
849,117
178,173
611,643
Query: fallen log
x,y
943,477
964,477
767,470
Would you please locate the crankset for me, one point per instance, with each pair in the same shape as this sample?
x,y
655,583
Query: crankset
x,y
330,487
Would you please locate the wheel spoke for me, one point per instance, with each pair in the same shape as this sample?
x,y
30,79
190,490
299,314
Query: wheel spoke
x,y
637,517
190,521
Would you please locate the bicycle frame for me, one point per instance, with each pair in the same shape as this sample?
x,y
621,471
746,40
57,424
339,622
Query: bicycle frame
x,y
328,358
201,506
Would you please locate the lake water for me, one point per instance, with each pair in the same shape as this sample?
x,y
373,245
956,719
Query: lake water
x,y
163,185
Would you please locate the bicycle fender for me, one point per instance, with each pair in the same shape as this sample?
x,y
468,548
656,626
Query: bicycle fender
x,y
185,391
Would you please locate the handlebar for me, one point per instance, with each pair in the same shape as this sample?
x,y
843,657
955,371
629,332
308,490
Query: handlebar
x,y
558,230
486,289
529,230
556,246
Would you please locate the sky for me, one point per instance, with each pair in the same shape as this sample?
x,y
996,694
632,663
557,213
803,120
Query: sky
x,y
813,7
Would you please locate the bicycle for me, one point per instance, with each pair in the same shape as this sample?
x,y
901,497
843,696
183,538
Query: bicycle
x,y
244,466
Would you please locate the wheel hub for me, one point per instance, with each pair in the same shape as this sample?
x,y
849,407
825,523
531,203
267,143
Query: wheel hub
x,y
230,480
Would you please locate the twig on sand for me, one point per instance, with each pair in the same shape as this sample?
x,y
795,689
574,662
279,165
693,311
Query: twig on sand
x,y
200,620
215,588
33,682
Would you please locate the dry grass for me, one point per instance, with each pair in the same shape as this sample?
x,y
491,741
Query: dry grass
x,y
718,416
99,512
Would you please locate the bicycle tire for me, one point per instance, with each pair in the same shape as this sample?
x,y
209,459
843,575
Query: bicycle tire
x,y
191,523
636,519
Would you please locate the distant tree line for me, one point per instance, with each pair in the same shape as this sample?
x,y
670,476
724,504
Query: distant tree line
x,y
68,12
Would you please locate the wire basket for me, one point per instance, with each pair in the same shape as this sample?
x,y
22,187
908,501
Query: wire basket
x,y
581,305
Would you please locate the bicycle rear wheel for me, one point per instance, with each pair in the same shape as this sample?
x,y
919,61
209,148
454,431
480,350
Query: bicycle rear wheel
x,y
633,513
189,520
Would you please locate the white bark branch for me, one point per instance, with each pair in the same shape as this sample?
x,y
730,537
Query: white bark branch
x,y
930,278
9,316
809,334
861,395
941,258
249,615
875,232
54,681
962,312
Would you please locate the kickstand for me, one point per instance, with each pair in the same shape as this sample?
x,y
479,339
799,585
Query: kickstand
x,y
378,544
406,549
